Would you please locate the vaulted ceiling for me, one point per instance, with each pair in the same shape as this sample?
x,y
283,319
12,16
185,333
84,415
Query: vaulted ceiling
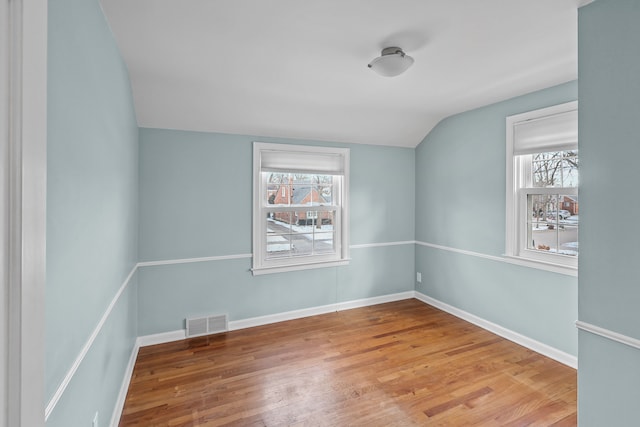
x,y
298,68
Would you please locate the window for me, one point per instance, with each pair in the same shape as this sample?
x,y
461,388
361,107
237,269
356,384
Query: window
x,y
542,187
300,209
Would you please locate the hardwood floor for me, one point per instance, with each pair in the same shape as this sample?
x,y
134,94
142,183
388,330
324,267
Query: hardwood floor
x,y
397,364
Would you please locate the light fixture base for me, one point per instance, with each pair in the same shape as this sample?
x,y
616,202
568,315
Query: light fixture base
x,y
391,51
392,62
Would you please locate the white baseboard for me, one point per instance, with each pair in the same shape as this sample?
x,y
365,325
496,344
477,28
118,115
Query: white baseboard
x,y
128,373
365,302
124,388
537,346
234,325
516,337
161,338
314,311
281,317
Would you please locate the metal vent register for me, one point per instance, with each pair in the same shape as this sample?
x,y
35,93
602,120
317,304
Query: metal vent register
x,y
197,326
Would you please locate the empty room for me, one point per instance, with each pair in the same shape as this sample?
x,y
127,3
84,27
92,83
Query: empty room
x,y
273,213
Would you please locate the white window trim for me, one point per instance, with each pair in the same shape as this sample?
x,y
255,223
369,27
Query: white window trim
x,y
260,266
516,202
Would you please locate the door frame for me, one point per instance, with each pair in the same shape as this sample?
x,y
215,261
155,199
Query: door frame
x,y
23,190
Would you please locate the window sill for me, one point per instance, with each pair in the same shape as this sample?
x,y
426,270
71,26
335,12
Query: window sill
x,y
258,271
568,270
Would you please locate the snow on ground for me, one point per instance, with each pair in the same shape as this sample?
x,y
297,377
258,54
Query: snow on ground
x,y
309,232
278,248
275,239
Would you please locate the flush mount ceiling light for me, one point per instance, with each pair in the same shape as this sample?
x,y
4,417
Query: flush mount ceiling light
x,y
392,62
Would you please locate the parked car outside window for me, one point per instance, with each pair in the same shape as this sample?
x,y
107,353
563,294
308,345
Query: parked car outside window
x,y
561,214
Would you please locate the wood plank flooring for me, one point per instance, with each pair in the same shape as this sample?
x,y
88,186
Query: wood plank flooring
x,y
398,364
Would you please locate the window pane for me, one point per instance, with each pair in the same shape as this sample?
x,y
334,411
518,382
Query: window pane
x,y
278,231
570,172
302,194
324,233
555,169
552,223
324,242
300,233
297,189
279,188
279,222
324,188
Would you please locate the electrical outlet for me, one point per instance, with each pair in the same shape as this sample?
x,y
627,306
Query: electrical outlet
x,y
95,420
419,277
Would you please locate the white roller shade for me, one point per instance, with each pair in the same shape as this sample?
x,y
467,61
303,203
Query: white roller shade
x,y
557,132
302,162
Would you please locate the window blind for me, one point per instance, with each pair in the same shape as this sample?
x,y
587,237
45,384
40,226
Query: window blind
x,y
302,162
557,132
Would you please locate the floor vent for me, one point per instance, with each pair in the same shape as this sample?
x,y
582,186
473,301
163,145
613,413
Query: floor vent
x,y
206,325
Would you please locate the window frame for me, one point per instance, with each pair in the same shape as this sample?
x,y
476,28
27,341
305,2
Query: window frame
x,y
518,187
340,198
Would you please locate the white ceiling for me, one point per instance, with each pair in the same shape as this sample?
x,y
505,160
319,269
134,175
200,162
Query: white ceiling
x,y
298,68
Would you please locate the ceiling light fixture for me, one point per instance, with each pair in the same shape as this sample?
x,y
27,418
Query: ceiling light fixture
x,y
392,62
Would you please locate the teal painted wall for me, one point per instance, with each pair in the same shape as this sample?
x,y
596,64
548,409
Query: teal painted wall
x,y
195,201
92,199
460,204
609,66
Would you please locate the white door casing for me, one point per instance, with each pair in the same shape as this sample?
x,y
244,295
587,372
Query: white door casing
x,y
23,190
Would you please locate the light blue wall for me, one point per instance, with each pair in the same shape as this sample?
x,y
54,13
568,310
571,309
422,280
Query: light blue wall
x,y
609,70
193,191
460,204
195,201
92,199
